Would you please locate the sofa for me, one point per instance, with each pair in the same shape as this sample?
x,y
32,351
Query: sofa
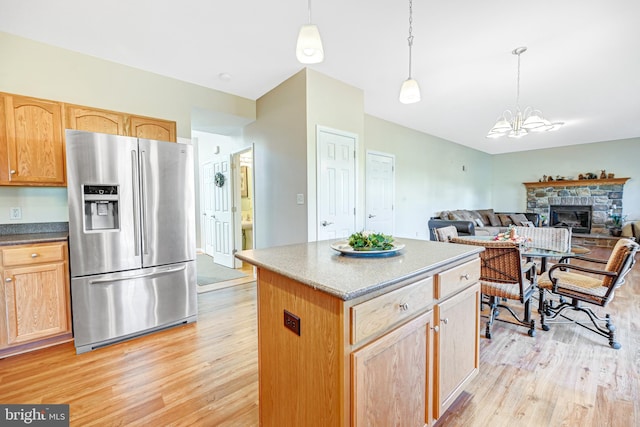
x,y
481,221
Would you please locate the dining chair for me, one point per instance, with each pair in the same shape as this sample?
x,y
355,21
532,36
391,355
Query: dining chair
x,y
576,284
445,234
556,239
503,277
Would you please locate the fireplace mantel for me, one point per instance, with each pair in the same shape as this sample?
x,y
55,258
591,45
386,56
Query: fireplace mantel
x,y
576,183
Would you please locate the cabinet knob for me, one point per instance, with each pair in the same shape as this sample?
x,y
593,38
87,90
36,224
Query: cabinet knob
x,y
445,320
34,255
436,328
465,276
8,279
404,306
12,172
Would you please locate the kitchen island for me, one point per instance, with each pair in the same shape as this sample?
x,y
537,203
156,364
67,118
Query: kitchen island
x,y
349,341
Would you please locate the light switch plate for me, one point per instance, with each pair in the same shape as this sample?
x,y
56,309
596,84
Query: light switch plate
x,y
300,199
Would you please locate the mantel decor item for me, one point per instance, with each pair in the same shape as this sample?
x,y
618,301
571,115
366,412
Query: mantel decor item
x,y
518,123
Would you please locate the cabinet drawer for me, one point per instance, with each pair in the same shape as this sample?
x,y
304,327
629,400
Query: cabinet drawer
x,y
457,278
33,254
377,315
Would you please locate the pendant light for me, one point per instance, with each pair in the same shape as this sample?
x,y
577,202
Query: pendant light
x,y
309,47
518,123
410,91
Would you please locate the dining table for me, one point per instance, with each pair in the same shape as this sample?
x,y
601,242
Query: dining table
x,y
527,250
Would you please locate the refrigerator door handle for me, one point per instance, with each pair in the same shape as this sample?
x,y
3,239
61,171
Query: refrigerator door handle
x,y
138,276
136,199
143,189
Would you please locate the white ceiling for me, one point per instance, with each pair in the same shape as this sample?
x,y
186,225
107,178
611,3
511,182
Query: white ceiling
x,y
582,66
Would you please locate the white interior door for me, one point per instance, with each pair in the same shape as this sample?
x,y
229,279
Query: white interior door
x,y
379,196
336,184
206,207
222,211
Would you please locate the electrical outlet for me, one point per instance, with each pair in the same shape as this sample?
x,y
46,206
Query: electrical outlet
x,y
292,322
15,213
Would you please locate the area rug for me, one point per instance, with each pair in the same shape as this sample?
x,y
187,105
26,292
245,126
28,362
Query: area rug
x,y
210,272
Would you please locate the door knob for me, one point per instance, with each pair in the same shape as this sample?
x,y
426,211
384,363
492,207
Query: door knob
x,y
325,223
371,216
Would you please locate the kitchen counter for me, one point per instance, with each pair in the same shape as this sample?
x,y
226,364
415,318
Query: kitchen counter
x,y
21,239
319,266
25,233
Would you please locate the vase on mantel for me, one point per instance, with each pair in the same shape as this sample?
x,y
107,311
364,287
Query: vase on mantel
x,y
615,232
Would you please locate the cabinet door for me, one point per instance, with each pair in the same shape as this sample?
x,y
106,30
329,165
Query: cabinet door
x,y
94,120
457,346
34,142
35,302
148,128
391,377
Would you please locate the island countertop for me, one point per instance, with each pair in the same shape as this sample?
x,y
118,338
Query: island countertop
x,y
319,266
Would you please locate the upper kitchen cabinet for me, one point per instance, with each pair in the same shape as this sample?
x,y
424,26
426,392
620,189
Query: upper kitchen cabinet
x,y
31,142
95,120
149,128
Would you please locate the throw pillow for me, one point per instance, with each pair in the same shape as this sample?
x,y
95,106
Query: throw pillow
x,y
505,220
494,220
477,217
484,213
518,218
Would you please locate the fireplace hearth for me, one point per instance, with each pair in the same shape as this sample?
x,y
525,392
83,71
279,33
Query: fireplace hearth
x,y
578,218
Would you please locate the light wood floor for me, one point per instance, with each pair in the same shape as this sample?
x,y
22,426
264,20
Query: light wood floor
x,y
205,374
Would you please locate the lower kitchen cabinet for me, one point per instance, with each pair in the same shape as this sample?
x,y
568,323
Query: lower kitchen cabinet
x,y
35,299
392,377
457,341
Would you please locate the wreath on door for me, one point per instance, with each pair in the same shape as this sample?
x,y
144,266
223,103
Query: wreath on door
x,y
219,179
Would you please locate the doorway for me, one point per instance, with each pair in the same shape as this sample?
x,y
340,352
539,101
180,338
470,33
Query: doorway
x,y
225,204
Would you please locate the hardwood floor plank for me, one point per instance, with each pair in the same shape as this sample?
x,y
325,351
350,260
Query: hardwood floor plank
x,y
206,373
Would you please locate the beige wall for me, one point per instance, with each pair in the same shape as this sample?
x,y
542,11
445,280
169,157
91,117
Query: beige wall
x,y
336,105
428,175
39,70
279,135
619,157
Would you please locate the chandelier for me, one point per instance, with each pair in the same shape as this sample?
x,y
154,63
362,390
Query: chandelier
x,y
410,91
518,123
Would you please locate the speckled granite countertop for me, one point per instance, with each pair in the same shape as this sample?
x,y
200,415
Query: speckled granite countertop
x,y
318,265
18,234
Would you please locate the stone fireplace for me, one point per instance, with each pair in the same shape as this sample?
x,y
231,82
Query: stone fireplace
x,y
588,201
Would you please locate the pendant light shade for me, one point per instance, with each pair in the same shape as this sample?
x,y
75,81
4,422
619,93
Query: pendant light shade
x,y
309,47
410,91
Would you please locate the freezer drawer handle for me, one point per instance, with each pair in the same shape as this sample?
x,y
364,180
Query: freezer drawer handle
x,y
139,276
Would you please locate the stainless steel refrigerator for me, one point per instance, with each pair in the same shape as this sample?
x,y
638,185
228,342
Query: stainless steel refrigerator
x,y
131,236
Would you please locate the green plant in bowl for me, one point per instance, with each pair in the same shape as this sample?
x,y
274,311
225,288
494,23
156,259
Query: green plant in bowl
x,y
370,241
